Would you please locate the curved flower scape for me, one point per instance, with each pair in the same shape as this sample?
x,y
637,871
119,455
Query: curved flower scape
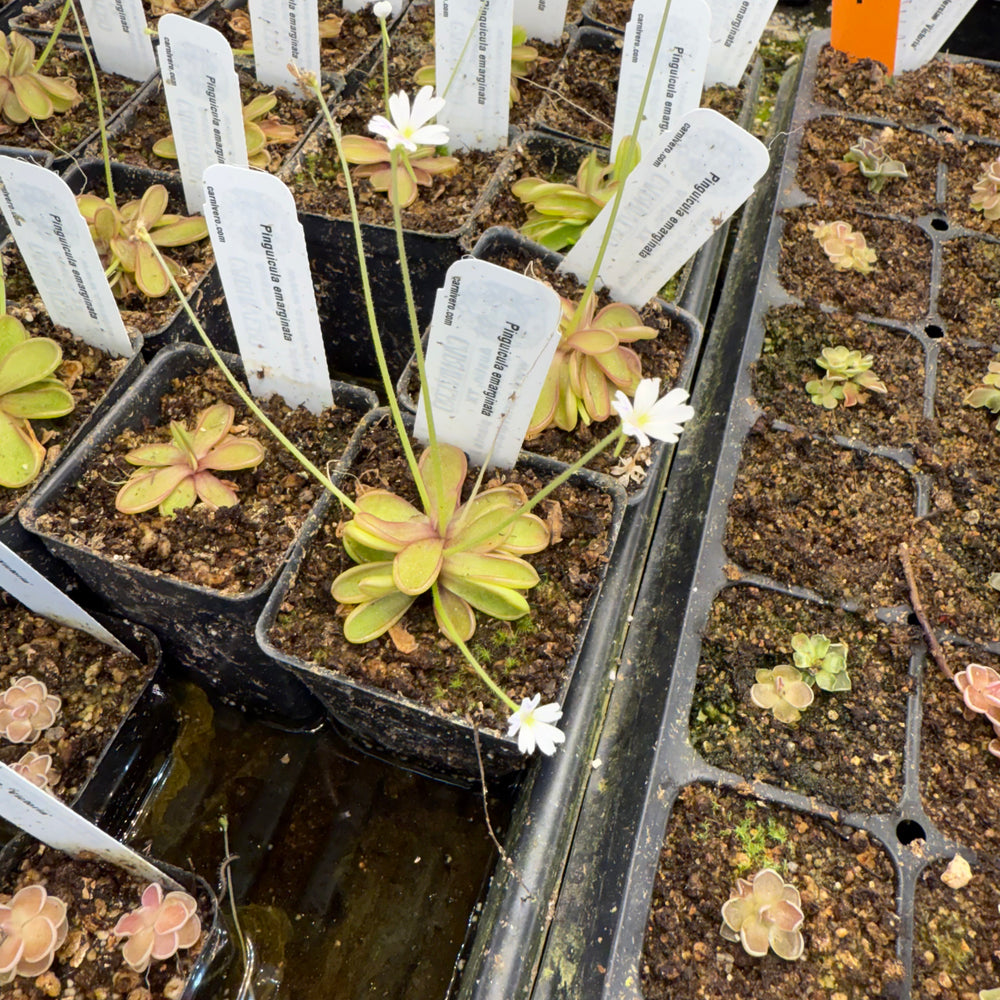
x,y
765,913
159,928
33,928
26,710
403,552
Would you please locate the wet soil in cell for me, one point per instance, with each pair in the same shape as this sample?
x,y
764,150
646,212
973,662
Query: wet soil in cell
x,y
956,933
958,786
45,20
847,748
232,549
898,287
825,176
970,289
847,888
89,965
813,515
96,683
795,338
525,657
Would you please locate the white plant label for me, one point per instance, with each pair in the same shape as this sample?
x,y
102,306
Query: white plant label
x,y
542,19
118,31
492,337
683,189
680,67
53,822
203,100
34,591
353,6
261,252
736,29
924,26
56,246
285,31
472,47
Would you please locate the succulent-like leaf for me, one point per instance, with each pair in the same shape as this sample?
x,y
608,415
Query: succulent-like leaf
x,y
29,361
42,400
417,566
150,488
21,456
492,599
454,467
370,620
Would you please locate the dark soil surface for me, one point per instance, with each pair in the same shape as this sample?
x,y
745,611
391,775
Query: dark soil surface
x,y
97,684
957,933
956,551
232,550
847,749
822,173
611,12
963,172
970,289
847,887
796,336
89,966
812,515
44,16
965,98
134,142
662,357
524,657
958,785
62,133
85,371
898,288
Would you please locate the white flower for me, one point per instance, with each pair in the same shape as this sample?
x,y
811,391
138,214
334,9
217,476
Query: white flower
x,y
646,416
382,9
534,726
409,127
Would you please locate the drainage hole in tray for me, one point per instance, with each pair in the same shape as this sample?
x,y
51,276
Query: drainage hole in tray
x,y
909,830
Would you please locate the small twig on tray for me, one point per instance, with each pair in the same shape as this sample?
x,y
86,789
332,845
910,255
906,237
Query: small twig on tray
x,y
489,826
918,609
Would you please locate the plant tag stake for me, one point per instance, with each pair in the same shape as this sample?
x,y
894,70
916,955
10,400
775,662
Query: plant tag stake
x,y
683,189
56,246
736,29
285,31
542,19
492,338
679,74
34,591
118,30
203,100
924,26
53,822
473,41
261,252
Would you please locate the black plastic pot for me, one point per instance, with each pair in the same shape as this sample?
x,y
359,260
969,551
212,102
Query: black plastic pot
x,y
206,632
591,17
216,951
410,734
596,945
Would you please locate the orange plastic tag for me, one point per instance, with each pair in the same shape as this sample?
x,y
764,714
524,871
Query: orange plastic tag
x,y
866,29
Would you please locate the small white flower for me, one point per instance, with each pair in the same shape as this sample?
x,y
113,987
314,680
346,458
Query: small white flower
x,y
534,725
382,9
646,416
409,127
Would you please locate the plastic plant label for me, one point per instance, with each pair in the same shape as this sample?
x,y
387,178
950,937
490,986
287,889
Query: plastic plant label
x,y
492,338
680,68
285,31
203,100
472,50
261,252
47,819
736,29
683,189
118,31
56,246
924,26
353,6
542,19
34,591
